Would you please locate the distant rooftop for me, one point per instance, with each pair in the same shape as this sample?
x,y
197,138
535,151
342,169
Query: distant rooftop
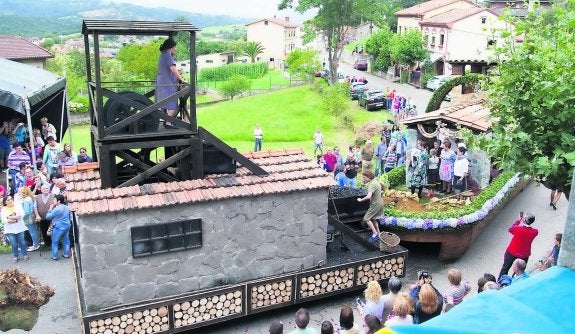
x,y
452,16
422,8
282,22
17,48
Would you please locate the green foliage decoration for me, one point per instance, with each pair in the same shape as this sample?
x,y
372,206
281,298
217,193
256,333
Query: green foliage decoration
x,y
489,192
440,93
224,72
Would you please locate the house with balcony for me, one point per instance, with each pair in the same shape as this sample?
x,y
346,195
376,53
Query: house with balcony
x,y
409,18
23,51
461,38
458,33
279,38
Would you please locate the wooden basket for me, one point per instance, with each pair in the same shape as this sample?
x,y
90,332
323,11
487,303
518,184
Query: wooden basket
x,y
388,241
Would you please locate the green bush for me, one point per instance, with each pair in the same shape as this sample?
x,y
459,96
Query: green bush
x,y
489,192
335,99
79,104
403,77
235,86
396,176
223,73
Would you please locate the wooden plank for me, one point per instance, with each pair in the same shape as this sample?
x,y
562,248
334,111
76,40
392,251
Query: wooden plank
x,y
149,144
132,157
351,233
155,169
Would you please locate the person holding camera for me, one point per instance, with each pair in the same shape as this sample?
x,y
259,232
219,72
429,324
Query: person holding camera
x,y
520,245
424,277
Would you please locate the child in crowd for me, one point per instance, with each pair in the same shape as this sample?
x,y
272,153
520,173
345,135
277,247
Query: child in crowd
x,y
551,258
456,290
38,142
321,162
433,169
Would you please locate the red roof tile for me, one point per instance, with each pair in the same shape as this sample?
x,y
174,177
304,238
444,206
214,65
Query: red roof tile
x,y
290,171
17,48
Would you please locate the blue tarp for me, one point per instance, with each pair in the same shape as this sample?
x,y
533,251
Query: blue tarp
x,y
544,303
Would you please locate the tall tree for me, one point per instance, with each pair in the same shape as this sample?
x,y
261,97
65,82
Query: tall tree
x,y
379,46
253,49
409,48
531,97
333,20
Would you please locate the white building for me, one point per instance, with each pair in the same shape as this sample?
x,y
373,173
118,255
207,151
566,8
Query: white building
x,y
278,37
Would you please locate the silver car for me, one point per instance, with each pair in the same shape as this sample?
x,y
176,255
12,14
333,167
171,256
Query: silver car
x,y
436,81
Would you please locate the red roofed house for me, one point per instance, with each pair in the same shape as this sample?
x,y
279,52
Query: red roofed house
x,y
277,36
23,51
458,33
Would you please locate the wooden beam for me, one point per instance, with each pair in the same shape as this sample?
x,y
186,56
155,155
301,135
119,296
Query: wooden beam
x,y
148,144
231,152
155,169
331,219
144,111
132,158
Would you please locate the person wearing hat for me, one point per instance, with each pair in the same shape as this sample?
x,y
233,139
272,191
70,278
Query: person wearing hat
x,y
168,78
520,245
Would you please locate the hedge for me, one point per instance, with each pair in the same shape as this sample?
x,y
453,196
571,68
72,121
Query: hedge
x,y
224,72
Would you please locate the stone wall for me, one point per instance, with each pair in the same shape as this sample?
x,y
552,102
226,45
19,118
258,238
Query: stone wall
x,y
243,239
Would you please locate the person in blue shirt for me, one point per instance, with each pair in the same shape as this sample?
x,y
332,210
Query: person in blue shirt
x,y
59,214
518,268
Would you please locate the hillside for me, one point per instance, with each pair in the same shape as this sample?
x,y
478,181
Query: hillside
x,y
42,18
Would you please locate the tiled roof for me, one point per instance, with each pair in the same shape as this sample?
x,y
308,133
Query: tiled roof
x,y
424,7
283,23
289,170
472,115
448,18
16,48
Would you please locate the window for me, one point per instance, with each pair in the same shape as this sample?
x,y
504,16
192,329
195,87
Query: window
x,y
441,39
166,237
483,19
433,40
271,59
266,22
209,61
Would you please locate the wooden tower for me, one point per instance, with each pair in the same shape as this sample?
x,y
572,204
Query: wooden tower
x,y
126,124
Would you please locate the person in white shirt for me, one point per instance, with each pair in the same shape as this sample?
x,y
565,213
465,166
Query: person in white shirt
x,y
317,142
460,170
258,135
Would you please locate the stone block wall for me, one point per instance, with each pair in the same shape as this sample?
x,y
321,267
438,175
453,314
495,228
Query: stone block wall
x,y
243,239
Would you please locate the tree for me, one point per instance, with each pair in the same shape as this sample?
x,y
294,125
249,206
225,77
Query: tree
x,y
235,86
409,48
379,45
302,63
141,59
253,49
208,47
333,21
531,97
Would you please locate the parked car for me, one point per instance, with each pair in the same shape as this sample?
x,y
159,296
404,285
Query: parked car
x,y
360,64
321,73
372,100
436,81
325,74
356,89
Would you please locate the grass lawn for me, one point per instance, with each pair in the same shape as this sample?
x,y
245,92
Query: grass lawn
x,y
349,47
288,117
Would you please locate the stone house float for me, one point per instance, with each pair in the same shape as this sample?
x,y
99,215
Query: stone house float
x,y
140,243
23,51
278,37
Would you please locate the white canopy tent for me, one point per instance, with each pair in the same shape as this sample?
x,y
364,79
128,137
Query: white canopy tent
x,y
32,93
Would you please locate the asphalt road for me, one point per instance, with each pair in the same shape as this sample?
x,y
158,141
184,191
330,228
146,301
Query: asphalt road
x,y
420,96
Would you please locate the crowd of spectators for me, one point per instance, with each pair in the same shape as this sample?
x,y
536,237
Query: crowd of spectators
x,y
34,208
431,164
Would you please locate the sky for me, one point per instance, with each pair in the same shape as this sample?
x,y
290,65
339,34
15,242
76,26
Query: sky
x,y
238,8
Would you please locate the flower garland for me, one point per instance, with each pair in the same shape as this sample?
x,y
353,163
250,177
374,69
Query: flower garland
x,y
447,132
426,224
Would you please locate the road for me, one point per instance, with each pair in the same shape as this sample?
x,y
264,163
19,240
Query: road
x,y
420,96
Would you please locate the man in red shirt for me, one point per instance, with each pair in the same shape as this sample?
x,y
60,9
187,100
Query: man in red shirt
x,y
520,245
